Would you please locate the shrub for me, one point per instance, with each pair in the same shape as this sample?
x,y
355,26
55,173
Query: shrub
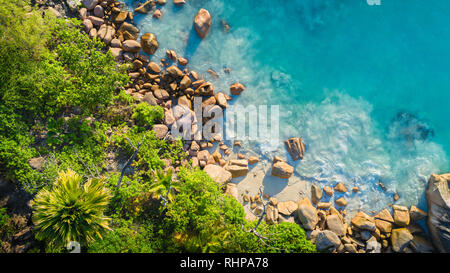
x,y
201,216
145,115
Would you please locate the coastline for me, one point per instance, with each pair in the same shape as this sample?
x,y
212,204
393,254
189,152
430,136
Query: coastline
x,y
360,234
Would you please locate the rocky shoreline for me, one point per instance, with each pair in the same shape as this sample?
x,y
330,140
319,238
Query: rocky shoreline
x,y
169,83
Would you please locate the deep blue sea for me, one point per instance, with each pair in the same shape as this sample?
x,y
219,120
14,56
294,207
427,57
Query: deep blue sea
x,y
366,87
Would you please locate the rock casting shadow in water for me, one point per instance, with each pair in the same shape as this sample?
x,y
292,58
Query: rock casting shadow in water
x,y
273,185
192,43
409,128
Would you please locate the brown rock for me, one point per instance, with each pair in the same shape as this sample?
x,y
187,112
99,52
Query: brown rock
x,y
185,82
282,170
154,68
145,8
316,194
363,221
401,215
131,46
160,130
202,23
120,17
341,202
253,160
334,223
400,239
385,215
174,71
179,2
416,214
340,187
157,14
236,170
149,43
271,215
219,175
221,100
307,214
182,61
295,147
287,208
323,205
237,88
383,226
328,190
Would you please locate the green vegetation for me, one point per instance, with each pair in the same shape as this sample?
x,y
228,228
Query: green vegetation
x,y
62,98
71,210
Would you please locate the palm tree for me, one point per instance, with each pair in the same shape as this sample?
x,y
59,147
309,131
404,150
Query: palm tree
x,y
164,187
71,211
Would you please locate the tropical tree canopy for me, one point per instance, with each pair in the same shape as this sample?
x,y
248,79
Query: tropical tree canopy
x,y
71,211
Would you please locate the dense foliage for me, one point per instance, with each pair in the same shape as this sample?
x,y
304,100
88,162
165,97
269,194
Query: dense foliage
x,y
61,99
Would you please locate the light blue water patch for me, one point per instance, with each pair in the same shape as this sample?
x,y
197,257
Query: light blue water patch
x,y
366,87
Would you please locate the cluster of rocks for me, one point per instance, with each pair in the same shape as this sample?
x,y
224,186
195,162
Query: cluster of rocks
x,y
327,227
166,83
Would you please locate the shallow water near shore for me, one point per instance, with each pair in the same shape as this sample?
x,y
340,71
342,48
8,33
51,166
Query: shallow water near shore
x,y
366,87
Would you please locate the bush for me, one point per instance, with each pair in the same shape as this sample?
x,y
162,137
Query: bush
x,y
283,237
201,216
145,115
125,238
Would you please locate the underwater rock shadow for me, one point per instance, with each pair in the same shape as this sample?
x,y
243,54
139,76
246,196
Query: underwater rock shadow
x,y
192,44
273,185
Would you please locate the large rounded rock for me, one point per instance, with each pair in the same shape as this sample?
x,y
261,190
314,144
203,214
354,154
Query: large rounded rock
x,y
327,240
149,43
90,4
307,214
160,130
131,46
202,23
334,223
282,170
217,173
237,88
438,197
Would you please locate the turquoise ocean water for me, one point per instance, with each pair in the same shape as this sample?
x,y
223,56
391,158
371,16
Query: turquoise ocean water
x,y
366,87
